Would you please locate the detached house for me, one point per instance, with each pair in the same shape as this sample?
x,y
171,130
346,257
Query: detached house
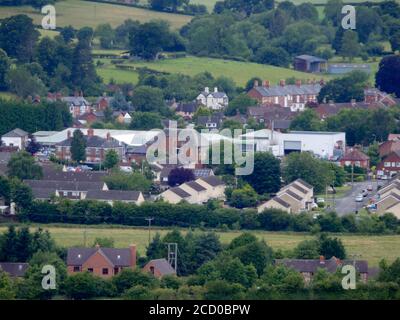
x,y
213,100
96,147
16,138
293,96
77,104
355,157
103,262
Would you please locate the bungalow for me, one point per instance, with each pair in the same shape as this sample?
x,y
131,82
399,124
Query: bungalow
x,y
213,121
103,262
213,100
14,269
159,268
74,190
16,138
308,267
110,196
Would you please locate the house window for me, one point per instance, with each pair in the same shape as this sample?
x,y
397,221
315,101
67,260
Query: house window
x,y
393,164
77,269
105,271
90,270
397,164
387,164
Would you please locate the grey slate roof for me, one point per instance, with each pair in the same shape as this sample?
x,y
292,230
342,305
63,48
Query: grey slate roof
x,y
113,195
213,181
16,133
195,186
118,257
304,183
53,174
162,266
281,201
180,192
65,185
93,142
187,107
293,195
76,101
310,59
14,269
290,89
42,193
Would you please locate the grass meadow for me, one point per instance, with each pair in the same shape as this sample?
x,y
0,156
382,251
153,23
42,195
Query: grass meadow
x,y
371,248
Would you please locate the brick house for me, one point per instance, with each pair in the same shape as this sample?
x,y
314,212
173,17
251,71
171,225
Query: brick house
x,y
355,157
389,165
159,268
96,147
387,147
103,262
290,96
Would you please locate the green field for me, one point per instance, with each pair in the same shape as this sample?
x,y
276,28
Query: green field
x,y
240,72
371,248
83,13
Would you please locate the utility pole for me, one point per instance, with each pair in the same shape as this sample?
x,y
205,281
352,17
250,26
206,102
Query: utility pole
x,y
352,174
149,219
173,255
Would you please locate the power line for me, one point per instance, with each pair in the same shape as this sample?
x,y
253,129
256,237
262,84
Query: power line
x,y
149,219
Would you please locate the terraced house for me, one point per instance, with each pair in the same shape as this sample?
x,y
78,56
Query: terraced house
x,y
293,96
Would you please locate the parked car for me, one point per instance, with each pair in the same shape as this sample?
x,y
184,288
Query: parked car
x,y
320,200
384,177
370,187
359,198
364,192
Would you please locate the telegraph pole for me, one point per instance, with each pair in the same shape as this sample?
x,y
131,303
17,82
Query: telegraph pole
x,y
149,219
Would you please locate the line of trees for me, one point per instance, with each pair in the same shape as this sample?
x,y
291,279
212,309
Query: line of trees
x,y
243,269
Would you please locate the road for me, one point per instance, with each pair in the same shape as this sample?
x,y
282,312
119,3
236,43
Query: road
x,y
347,203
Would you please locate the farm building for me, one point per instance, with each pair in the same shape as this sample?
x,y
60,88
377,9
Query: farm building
x,y
307,63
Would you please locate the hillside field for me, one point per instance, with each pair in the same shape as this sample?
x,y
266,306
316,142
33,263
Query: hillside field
x,y
84,13
240,72
371,248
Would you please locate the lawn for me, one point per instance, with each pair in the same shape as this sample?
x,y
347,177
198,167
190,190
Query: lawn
x,y
84,13
240,72
371,248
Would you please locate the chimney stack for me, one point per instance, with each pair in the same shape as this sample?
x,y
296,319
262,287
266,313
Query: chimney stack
x,y
298,83
68,134
132,249
266,83
282,83
108,136
255,83
90,132
321,259
207,90
215,89
353,102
